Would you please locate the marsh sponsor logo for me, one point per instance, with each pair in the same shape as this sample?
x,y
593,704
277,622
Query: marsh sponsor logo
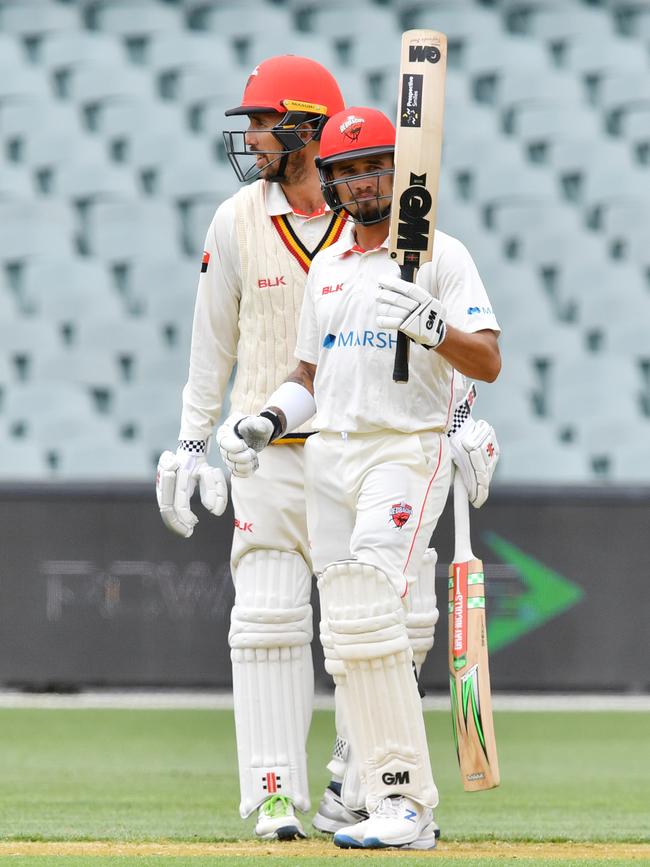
x,y
486,311
355,339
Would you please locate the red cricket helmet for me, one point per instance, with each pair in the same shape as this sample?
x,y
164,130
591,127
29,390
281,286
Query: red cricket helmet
x,y
299,89
288,83
356,133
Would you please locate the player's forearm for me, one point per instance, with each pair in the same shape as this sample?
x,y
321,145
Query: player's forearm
x,y
294,406
304,375
475,354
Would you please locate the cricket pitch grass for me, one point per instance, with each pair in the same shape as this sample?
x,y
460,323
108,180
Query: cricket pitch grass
x,y
142,787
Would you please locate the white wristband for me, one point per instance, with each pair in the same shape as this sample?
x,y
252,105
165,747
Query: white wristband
x,y
296,403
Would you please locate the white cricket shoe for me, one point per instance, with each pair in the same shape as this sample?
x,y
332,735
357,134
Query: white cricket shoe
x,y
397,822
333,814
276,820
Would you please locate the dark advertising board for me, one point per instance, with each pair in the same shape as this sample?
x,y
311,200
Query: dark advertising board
x,y
95,591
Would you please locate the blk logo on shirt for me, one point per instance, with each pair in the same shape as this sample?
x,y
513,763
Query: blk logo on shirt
x,y
271,282
329,290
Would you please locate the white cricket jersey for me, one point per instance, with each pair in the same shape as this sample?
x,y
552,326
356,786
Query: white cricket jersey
x,y
353,386
243,315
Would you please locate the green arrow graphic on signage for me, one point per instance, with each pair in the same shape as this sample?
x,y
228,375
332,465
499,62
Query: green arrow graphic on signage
x,y
546,595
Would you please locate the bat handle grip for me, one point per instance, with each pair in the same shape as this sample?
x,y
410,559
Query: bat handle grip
x,y
401,365
463,545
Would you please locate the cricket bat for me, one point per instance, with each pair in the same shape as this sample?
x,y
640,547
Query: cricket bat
x,y
469,676
418,148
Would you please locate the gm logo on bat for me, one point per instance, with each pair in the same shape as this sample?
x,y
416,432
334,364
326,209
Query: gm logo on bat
x,y
420,53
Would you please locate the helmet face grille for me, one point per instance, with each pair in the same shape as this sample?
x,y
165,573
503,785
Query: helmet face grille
x,y
289,135
373,207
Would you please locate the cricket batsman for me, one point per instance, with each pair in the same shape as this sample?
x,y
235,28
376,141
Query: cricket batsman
x,y
377,472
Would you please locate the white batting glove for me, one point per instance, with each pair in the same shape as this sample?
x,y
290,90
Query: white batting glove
x,y
409,308
176,479
240,438
474,449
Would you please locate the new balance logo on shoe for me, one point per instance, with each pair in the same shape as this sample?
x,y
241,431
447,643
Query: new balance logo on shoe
x,y
410,816
397,779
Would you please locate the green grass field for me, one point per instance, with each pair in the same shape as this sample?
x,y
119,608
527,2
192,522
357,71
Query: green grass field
x,y
163,776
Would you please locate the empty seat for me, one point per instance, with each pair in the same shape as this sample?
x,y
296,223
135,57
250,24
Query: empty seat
x,y
601,284
522,87
91,83
109,460
631,466
90,179
136,19
15,182
544,461
194,89
95,367
621,92
123,338
123,230
171,51
516,221
22,462
229,22
486,63
167,367
507,183
636,129
68,143
608,183
197,219
32,227
24,116
345,31
68,290
460,24
602,386
559,25
21,80
62,51
24,19
45,400
540,126
147,400
155,278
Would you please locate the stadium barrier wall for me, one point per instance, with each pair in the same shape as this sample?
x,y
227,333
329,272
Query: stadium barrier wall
x,y
94,591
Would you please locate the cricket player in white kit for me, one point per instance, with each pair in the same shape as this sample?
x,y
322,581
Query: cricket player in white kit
x,y
377,473
257,253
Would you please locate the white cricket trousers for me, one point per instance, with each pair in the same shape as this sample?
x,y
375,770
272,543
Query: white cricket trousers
x,y
375,498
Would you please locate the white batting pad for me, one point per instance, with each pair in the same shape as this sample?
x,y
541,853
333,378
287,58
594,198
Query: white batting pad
x,y
273,678
422,613
344,764
382,706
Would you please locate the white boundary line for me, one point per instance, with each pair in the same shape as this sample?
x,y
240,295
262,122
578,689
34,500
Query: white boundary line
x,y
205,700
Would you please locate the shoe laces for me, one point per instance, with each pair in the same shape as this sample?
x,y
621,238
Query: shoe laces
x,y
277,805
389,808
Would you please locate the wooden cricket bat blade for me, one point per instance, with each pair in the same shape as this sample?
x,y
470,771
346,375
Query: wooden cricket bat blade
x,y
418,145
469,674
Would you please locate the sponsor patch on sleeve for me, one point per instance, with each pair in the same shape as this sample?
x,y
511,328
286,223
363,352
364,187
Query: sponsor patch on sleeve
x,y
205,261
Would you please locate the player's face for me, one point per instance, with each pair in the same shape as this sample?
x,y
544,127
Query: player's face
x,y
365,185
261,142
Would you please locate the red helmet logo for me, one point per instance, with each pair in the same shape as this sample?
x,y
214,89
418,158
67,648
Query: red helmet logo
x,y
351,127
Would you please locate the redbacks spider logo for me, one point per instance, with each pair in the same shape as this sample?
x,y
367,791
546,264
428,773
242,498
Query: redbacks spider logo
x,y
351,127
400,513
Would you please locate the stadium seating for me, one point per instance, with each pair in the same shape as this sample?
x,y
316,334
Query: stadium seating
x,y
112,165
